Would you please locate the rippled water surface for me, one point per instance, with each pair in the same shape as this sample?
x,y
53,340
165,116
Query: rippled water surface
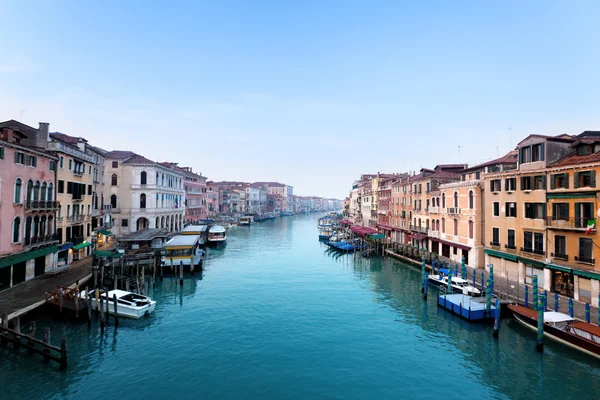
x,y
276,315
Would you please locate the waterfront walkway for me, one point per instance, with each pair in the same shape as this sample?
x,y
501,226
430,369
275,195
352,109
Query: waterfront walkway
x,y
30,294
511,289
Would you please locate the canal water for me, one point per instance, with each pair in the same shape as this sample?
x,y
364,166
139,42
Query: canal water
x,y
276,315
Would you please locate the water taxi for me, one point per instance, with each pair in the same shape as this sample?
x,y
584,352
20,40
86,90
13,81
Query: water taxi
x,y
129,305
183,249
247,220
197,230
217,236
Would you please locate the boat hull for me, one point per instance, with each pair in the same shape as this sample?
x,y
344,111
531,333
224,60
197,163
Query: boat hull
x,y
217,244
127,312
558,335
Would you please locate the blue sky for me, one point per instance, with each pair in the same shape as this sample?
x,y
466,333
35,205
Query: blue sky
x,y
310,93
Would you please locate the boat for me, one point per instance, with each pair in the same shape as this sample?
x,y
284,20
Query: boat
x,y
198,230
129,305
562,328
246,221
325,234
183,250
217,236
325,222
459,285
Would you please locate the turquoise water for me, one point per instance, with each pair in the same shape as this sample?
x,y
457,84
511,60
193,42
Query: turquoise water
x,y
275,315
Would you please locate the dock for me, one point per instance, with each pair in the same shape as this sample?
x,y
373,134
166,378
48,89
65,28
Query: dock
x,y
467,307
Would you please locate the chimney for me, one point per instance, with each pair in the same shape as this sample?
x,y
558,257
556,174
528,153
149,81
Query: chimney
x,y
8,135
41,139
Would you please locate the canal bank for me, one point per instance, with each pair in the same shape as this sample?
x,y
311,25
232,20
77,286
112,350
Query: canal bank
x,y
276,315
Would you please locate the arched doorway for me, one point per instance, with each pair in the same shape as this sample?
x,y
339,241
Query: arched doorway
x,y
142,223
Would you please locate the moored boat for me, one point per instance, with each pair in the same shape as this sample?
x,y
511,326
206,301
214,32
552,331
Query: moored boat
x,y
217,236
129,305
459,285
183,250
247,220
562,328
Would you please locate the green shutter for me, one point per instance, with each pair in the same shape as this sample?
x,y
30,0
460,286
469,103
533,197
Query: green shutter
x,y
593,178
552,181
576,180
577,213
16,157
1,153
566,181
544,182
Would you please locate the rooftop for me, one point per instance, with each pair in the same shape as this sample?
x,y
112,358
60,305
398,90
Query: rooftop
x,y
146,234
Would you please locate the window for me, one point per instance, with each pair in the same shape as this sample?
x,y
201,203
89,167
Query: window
x,y
510,244
124,223
560,211
471,205
16,230
90,170
18,189
584,150
50,192
113,180
510,184
535,210
525,155
1,153
20,158
511,209
560,247
496,209
533,242
61,186
471,229
527,242
455,227
539,182
443,200
443,225
113,201
70,164
455,250
585,179
584,212
52,165
62,161
537,152
428,187
527,183
32,161
559,181
478,175
495,237
455,199
89,190
143,178
585,251
115,164
142,200
496,185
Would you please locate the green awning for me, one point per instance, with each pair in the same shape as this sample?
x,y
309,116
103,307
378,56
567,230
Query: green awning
x,y
587,274
499,254
535,263
104,232
106,253
570,195
559,268
26,256
377,236
82,246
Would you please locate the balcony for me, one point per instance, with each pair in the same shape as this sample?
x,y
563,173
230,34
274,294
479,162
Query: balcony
x,y
76,218
433,234
57,146
434,210
420,229
35,205
78,173
494,244
560,256
95,212
453,211
568,223
510,247
585,260
539,252
43,239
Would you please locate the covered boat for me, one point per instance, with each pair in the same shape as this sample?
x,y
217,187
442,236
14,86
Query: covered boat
x,y
217,236
129,305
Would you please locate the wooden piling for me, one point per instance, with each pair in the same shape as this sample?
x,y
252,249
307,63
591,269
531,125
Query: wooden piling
x,y
100,310
97,299
180,273
102,273
60,300
17,329
95,272
47,342
30,342
106,305
63,353
88,296
4,325
116,316
143,283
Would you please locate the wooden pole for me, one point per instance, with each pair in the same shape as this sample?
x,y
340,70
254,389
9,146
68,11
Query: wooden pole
x,y
100,309
60,300
116,316
106,313
95,272
63,353
4,325
88,297
102,273
143,283
76,300
46,341
180,273
96,294
17,328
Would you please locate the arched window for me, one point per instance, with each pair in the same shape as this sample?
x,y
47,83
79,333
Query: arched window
x,y
28,224
16,230
50,194
419,222
470,229
471,199
437,224
36,191
143,200
43,192
18,187
29,190
427,224
143,178
443,200
113,201
113,180
456,199
456,227
443,225
163,179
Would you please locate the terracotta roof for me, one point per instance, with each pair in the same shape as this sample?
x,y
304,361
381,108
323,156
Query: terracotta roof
x,y
574,159
72,140
19,126
119,154
137,159
562,137
509,158
128,157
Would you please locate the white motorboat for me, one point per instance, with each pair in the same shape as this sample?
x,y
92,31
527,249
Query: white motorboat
x,y
129,305
459,285
217,236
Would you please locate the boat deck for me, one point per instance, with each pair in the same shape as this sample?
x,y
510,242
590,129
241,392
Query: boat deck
x,y
472,309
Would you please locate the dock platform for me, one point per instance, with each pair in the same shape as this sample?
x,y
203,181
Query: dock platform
x,y
467,307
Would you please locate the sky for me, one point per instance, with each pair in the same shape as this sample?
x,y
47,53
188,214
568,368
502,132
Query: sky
x,y
310,93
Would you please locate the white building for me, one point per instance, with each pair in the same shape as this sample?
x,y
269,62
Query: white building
x,y
253,200
142,193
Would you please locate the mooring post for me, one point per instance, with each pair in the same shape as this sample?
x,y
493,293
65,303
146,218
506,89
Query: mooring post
x,y
526,296
535,292
180,273
426,285
497,319
571,307
30,345
587,313
76,300
115,309
47,342
598,309
63,353
60,300
450,290
492,278
556,301
106,310
17,329
488,298
172,266
423,275
540,326
88,296
464,269
143,282
101,272
474,276
482,280
545,300
95,273
96,295
4,325
101,312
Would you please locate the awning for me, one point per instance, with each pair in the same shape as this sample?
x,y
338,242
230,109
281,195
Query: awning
x,y
534,263
363,230
457,245
65,246
384,227
377,236
586,274
499,254
106,253
82,246
26,256
418,236
571,195
346,222
104,232
559,268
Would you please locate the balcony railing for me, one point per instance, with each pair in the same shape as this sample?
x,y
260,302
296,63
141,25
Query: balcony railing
x,y
76,218
433,234
531,250
560,256
420,229
510,247
434,210
494,244
41,205
57,146
568,223
35,240
76,240
453,210
585,260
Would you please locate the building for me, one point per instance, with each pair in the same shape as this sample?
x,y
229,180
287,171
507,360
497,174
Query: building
x,y
74,186
101,209
28,239
195,193
212,200
143,194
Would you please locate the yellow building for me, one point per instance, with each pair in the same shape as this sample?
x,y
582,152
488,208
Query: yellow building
x,y
74,182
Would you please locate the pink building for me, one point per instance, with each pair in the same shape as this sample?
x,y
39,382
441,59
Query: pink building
x,y
28,240
212,199
195,193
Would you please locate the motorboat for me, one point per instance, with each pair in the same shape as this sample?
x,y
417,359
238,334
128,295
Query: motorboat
x,y
562,328
459,285
217,236
129,305
247,220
